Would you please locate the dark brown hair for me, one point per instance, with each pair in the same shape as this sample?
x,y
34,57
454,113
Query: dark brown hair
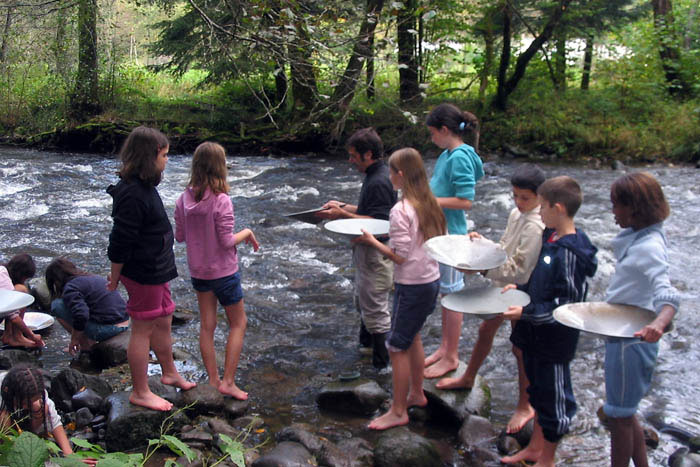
x,y
459,122
563,190
643,195
22,385
20,268
208,170
139,154
58,273
528,177
365,140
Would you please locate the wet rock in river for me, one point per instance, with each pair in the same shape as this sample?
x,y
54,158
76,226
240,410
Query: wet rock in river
x,y
69,382
219,426
682,457
286,454
87,398
359,396
453,406
208,400
83,417
325,452
12,357
131,426
476,430
40,292
197,438
196,461
359,451
507,445
401,447
110,352
182,316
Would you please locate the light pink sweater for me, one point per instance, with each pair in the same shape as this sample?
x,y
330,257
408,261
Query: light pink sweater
x,y
406,240
207,228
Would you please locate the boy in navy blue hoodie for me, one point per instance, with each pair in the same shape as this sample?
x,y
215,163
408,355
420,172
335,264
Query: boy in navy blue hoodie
x,y
567,258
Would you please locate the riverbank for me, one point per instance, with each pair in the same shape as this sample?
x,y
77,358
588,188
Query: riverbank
x,y
583,128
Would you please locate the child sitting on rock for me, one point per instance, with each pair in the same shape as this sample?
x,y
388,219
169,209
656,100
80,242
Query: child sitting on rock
x,y
13,275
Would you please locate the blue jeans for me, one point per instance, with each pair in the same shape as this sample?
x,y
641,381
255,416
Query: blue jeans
x,y
97,332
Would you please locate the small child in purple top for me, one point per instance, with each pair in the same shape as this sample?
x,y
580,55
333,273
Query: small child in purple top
x,y
204,220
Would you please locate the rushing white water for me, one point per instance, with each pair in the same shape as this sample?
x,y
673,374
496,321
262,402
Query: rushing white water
x,y
298,287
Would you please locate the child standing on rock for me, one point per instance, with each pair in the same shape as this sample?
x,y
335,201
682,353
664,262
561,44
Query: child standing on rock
x,y
204,220
413,220
141,252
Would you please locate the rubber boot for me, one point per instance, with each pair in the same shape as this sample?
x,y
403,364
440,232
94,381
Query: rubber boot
x,y
380,354
365,336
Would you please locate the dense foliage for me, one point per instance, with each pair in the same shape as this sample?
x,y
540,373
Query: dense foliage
x,y
566,78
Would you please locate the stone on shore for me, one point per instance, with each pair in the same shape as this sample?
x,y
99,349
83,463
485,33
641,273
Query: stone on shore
x,y
12,357
286,454
362,397
359,451
453,406
682,457
69,382
87,398
399,446
182,316
131,426
325,452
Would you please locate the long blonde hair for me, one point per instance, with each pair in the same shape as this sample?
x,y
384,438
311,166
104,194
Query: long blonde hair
x,y
208,170
431,219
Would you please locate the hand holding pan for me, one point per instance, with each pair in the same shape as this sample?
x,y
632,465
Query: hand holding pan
x,y
310,216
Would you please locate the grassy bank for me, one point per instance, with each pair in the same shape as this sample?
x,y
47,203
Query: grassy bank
x,y
622,122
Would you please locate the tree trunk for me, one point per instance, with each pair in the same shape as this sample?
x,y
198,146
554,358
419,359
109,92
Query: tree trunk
x,y
489,36
524,59
302,72
409,91
345,90
668,47
560,61
689,25
501,95
85,100
587,62
5,36
60,47
369,68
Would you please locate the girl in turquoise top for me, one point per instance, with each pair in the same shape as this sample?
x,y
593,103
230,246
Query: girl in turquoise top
x,y
454,177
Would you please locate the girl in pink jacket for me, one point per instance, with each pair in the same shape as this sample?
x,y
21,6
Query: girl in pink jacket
x,y
204,220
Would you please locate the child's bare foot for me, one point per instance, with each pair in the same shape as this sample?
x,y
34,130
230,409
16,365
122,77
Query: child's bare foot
x,y
434,357
455,383
388,420
520,419
440,368
417,400
150,401
233,391
178,381
527,454
19,341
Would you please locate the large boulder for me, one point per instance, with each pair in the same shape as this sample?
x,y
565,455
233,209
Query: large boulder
x,y
131,426
69,382
286,454
400,447
453,406
476,430
361,396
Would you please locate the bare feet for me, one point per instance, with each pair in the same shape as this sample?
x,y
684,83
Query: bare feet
x,y
215,383
233,391
178,381
21,341
527,454
417,400
150,401
388,420
434,357
520,419
440,368
455,383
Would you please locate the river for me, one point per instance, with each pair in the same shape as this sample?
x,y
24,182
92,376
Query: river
x,y
298,287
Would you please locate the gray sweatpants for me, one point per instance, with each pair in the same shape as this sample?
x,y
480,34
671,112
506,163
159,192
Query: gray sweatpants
x,y
374,276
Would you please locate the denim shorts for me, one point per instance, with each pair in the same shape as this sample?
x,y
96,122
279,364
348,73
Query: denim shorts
x,y
97,332
451,280
629,366
227,289
412,305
